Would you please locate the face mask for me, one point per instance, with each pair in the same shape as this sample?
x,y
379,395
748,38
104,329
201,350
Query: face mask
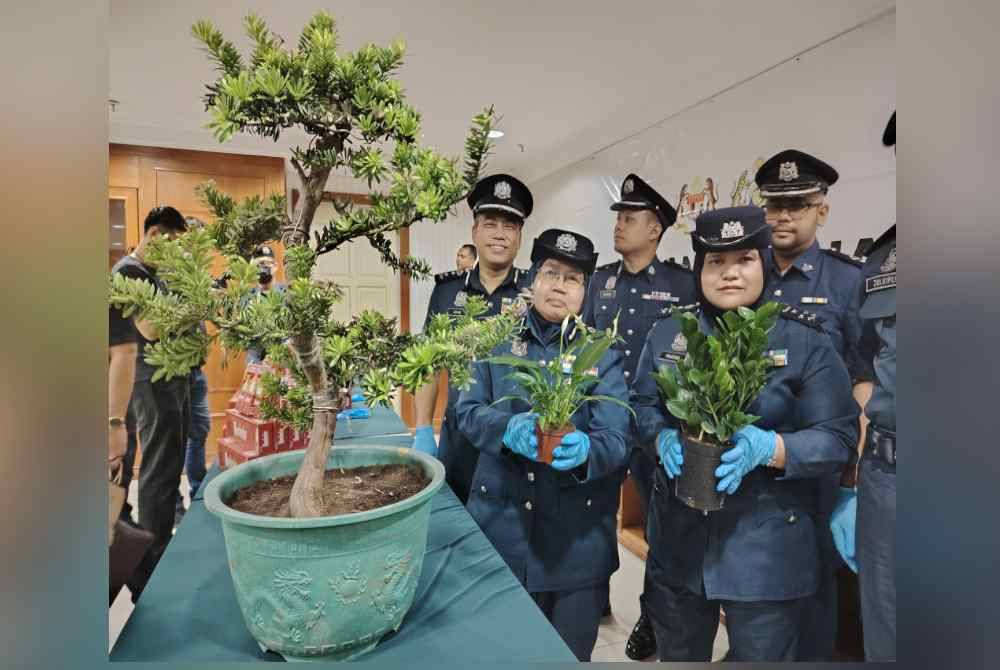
x,y
264,275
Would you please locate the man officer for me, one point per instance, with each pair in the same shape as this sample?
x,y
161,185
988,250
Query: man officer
x,y
638,289
873,507
794,186
500,204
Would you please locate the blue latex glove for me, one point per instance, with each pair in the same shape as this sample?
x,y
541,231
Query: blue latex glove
x,y
356,413
845,513
753,447
668,446
520,435
423,440
572,451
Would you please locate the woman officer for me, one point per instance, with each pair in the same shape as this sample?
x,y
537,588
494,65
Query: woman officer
x,y
757,557
553,525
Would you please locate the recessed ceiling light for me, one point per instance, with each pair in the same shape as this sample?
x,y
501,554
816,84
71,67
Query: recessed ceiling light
x,y
495,134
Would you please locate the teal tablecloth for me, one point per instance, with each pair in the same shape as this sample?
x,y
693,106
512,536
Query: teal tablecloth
x,y
383,421
468,606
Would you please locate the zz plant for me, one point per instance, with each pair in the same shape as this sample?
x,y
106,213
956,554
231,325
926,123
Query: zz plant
x,y
721,375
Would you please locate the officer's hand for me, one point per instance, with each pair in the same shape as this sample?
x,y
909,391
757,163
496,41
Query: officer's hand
x,y
845,513
753,447
520,435
423,440
668,446
572,451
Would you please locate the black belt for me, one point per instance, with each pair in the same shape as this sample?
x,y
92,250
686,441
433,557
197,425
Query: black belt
x,y
881,444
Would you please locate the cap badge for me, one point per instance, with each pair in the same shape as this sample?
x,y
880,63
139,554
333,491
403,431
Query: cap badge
x,y
788,171
680,343
566,242
890,262
502,190
628,187
732,229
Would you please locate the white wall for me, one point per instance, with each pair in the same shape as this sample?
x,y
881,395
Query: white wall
x,y
832,101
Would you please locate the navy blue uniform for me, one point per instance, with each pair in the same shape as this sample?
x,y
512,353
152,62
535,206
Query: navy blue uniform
x,y
758,557
556,530
825,282
875,361
451,291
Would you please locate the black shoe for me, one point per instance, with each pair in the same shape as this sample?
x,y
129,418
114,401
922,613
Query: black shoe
x,y
641,643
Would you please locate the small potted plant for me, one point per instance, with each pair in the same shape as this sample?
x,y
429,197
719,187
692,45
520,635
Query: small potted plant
x,y
710,392
557,388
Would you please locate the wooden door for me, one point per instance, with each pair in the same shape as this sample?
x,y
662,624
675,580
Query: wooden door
x,y
123,222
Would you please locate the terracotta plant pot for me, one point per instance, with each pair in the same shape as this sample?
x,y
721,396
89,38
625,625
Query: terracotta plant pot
x,y
549,440
695,486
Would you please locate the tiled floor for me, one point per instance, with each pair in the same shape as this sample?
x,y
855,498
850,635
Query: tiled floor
x,y
626,585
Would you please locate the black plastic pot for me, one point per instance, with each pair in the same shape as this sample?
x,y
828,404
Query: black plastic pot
x,y
695,486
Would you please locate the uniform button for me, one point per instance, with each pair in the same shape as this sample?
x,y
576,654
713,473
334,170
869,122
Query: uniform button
x,y
633,290
629,331
604,306
531,476
483,489
792,518
777,292
628,352
588,502
527,505
627,375
631,310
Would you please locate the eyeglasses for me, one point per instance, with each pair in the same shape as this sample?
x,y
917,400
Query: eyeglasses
x,y
574,280
796,209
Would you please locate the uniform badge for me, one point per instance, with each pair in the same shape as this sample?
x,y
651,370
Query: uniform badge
x,y
814,300
628,187
461,298
806,267
788,171
566,242
732,229
680,343
502,190
519,348
610,284
890,262
778,357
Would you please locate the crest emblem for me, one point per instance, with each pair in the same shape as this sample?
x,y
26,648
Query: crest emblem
x,y
680,343
519,347
628,187
566,242
502,190
788,171
732,229
461,298
890,262
610,284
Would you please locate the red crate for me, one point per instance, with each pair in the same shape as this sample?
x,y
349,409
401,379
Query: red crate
x,y
235,453
255,435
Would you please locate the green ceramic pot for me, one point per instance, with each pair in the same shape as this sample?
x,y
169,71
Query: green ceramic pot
x,y
326,588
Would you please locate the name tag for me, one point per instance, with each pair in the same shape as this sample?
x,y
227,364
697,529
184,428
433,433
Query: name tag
x,y
810,300
880,282
778,357
662,296
672,356
608,295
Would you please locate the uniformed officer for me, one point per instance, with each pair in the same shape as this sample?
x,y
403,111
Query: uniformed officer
x,y
794,185
757,557
500,204
638,289
553,525
263,258
874,506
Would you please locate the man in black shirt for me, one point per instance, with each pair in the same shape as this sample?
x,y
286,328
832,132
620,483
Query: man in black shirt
x,y
161,409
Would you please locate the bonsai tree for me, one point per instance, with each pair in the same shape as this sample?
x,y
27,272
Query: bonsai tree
x,y
557,388
357,120
721,375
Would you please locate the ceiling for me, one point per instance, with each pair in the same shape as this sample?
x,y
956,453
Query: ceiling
x,y
568,77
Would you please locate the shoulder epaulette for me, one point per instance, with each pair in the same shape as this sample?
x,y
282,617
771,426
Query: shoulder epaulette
x,y
810,319
856,262
447,276
609,266
676,265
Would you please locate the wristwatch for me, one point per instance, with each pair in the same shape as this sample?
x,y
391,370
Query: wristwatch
x,y
115,421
